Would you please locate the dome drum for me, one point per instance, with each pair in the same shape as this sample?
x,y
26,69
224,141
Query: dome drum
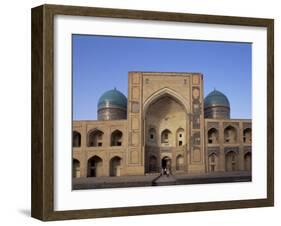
x,y
112,105
216,105
218,112
112,114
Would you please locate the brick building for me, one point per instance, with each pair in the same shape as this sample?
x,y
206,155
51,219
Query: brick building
x,y
164,124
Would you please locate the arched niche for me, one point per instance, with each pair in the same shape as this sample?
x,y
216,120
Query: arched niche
x,y
94,166
116,138
247,136
231,161
166,137
179,163
212,162
95,138
180,139
230,134
75,168
248,161
115,166
152,136
153,164
213,136
76,139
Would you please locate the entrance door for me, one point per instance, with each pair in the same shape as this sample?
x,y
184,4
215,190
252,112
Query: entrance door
x,y
166,165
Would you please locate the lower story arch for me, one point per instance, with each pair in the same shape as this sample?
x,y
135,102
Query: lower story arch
x,y
94,166
75,168
248,161
231,161
212,162
180,163
152,165
115,167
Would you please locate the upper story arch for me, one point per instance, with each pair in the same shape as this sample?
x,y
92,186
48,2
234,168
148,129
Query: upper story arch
x,y
116,138
95,138
247,135
213,136
76,139
230,134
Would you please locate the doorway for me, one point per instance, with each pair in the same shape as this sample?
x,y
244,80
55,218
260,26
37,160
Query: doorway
x,y
166,164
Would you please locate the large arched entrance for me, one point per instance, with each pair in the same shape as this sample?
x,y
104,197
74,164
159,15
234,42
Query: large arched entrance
x,y
164,113
94,167
115,167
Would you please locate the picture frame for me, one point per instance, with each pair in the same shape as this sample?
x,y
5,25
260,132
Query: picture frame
x,y
43,182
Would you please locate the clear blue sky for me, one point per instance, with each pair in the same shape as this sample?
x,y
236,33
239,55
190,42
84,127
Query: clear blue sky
x,y
101,63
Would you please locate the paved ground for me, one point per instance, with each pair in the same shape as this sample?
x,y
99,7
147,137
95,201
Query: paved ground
x,y
157,180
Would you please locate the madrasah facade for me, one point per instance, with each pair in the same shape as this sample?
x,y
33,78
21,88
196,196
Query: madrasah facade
x,y
165,123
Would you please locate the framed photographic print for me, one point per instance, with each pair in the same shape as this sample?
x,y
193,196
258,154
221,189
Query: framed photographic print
x,y
141,112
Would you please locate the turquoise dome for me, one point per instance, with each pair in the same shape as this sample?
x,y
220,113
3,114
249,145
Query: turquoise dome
x,y
112,98
216,98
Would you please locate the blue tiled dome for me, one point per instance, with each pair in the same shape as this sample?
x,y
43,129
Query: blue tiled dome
x,y
216,98
112,98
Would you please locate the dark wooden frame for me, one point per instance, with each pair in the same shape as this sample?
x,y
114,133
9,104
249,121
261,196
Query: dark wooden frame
x,y
42,203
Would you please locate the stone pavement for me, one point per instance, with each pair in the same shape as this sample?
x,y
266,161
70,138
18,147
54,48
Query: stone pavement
x,y
158,180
